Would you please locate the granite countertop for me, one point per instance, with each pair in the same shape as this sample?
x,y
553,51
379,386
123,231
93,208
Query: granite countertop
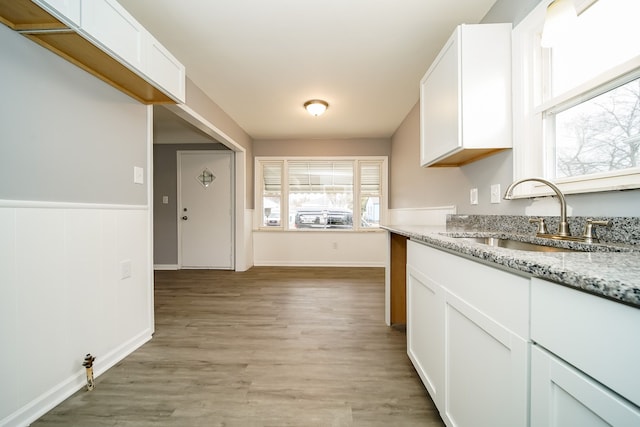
x,y
601,271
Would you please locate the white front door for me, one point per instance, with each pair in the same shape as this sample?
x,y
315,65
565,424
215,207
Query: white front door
x,y
205,209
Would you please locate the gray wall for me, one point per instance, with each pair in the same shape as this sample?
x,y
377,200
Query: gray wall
x,y
165,183
414,187
512,11
203,105
65,135
323,147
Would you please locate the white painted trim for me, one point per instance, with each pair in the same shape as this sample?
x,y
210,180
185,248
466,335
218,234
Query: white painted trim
x,y
387,282
318,264
529,65
108,246
52,397
190,116
109,360
167,267
23,204
284,226
149,266
244,250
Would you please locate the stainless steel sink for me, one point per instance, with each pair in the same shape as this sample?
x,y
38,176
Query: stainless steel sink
x,y
515,244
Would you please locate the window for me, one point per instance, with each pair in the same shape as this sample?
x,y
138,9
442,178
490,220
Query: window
x,y
321,193
577,105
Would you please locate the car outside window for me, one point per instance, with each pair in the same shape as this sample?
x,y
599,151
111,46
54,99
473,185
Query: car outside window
x,y
321,193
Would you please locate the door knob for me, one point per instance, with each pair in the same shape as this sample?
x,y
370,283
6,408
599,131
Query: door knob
x,y
185,218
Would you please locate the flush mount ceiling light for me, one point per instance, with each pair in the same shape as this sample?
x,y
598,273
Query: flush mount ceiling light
x,y
315,107
559,21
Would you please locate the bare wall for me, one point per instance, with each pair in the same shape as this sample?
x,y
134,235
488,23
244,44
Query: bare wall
x,y
412,186
64,135
323,147
209,110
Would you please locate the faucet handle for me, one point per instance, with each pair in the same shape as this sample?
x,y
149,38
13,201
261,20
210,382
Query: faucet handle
x,y
542,226
589,233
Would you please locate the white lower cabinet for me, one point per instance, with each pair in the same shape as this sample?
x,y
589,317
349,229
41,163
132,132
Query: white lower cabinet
x,y
561,395
585,369
486,368
498,349
467,336
425,331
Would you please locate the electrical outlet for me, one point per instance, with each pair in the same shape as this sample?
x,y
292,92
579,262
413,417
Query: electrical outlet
x,y
473,196
125,269
495,193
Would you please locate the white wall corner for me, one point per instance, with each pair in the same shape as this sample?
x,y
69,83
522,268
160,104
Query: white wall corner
x,y
168,267
421,216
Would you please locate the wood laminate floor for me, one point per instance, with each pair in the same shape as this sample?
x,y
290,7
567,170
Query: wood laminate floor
x,y
268,347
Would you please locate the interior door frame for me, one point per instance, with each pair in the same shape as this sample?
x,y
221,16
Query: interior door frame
x,y
242,158
231,154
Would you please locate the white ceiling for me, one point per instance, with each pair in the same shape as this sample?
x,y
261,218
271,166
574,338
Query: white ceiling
x,y
260,60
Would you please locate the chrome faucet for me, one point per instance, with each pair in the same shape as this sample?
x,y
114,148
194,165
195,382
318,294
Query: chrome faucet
x,y
563,227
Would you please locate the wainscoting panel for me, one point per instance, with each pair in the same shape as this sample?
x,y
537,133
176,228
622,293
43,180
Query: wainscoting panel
x,y
320,248
63,294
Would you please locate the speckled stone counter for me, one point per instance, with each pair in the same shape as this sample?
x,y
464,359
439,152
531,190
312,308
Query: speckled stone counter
x,y
609,271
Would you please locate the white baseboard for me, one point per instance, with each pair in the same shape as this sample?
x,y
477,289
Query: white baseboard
x,y
54,396
317,264
165,267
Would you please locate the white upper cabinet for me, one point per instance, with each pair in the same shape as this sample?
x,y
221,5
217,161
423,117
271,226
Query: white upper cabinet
x,y
164,69
110,26
107,23
465,97
101,37
67,11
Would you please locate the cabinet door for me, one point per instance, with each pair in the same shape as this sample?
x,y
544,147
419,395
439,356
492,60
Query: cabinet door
x,y
563,396
165,70
425,339
67,11
486,369
112,28
440,104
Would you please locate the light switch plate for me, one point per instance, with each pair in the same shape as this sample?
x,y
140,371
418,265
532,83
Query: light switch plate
x,y
495,193
473,196
138,175
165,200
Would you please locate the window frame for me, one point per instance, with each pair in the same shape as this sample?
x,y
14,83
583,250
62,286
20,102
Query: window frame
x,y
284,195
530,84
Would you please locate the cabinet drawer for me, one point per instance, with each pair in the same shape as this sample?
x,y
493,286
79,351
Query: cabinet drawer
x,y
597,336
501,295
